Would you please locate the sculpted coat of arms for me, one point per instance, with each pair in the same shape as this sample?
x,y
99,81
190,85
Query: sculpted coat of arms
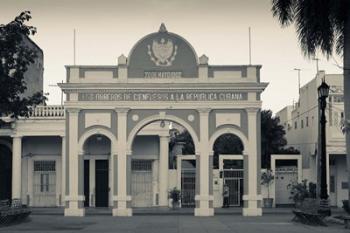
x,y
162,53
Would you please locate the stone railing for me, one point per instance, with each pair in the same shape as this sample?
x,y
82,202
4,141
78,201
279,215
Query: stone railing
x,y
55,111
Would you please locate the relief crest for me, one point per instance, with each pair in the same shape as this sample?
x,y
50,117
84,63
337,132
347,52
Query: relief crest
x,y
162,53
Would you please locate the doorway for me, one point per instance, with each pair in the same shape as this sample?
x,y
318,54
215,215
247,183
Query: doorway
x,y
142,189
233,178
87,183
5,173
101,185
188,183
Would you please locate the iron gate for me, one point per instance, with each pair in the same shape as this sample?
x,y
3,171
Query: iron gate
x,y
44,183
141,183
233,178
188,187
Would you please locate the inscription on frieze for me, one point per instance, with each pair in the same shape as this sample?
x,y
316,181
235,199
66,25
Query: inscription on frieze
x,y
156,95
162,74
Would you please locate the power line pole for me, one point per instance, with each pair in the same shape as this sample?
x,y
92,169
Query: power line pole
x,y
299,70
74,47
317,60
250,47
61,92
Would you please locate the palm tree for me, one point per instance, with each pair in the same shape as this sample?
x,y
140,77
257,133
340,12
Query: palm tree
x,y
322,25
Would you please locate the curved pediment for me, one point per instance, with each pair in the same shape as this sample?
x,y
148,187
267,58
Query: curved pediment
x,y
162,55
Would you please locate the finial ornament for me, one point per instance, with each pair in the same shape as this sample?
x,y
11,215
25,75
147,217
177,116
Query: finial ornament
x,y
162,28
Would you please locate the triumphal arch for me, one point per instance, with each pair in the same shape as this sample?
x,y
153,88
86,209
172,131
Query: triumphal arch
x,y
162,79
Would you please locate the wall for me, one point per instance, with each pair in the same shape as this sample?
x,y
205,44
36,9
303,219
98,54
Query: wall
x,y
39,148
341,176
34,75
145,147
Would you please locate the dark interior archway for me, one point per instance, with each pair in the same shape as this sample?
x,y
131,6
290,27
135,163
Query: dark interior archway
x,y
5,173
226,144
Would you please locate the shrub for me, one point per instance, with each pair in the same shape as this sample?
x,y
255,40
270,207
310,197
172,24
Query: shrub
x,y
300,191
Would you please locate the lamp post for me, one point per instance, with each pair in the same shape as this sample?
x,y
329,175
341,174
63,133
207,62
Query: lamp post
x,y
323,91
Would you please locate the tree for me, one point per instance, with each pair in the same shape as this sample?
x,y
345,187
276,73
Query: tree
x,y
15,57
226,144
322,25
273,139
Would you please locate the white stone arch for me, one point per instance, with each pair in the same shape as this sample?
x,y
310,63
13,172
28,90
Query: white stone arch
x,y
6,143
154,118
95,131
228,130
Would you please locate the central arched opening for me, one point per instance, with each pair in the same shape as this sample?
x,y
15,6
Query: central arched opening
x,y
5,172
157,149
228,171
97,164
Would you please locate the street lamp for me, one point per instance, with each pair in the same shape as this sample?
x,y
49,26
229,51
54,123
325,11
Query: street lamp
x,y
323,91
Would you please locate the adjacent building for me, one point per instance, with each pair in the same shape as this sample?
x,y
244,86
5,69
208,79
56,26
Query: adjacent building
x,y
301,122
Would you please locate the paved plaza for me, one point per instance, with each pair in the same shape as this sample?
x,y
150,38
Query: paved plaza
x,y
168,224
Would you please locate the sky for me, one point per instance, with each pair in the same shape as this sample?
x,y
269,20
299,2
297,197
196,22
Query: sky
x,y
105,29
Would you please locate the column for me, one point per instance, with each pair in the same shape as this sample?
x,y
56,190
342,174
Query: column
x,y
204,201
122,169
252,198
163,170
16,166
92,181
155,182
75,169
63,166
30,181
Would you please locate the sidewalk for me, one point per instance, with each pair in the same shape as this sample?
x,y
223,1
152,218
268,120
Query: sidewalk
x,y
168,211
271,223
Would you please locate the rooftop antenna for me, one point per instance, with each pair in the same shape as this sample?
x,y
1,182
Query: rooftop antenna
x,y
250,47
74,46
51,85
317,60
299,70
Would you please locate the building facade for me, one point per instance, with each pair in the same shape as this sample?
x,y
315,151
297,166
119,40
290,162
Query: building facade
x,y
111,137
301,122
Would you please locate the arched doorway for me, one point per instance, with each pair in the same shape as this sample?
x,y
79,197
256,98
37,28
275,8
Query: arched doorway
x,y
97,164
155,151
5,172
228,170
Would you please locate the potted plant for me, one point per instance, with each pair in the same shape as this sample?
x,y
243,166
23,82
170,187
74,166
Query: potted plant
x,y
266,179
302,193
175,196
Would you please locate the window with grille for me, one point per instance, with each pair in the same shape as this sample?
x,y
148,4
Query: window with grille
x,y
44,166
45,173
141,165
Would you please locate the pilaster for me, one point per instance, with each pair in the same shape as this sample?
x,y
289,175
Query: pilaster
x,y
203,169
252,199
163,170
76,193
122,191
63,168
16,167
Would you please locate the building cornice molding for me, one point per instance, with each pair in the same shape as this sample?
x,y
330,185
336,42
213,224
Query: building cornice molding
x,y
243,86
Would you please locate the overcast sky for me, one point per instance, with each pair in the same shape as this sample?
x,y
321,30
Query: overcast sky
x,y
216,28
